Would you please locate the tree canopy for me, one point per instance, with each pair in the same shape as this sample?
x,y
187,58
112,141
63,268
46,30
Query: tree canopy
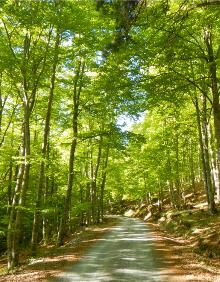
x,y
70,70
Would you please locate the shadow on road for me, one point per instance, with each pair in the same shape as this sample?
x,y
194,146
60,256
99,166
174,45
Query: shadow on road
x,y
127,253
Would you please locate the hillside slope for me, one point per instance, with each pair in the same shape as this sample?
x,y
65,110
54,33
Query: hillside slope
x,y
192,235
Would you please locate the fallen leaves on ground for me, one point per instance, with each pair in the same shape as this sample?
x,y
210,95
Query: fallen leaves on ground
x,y
180,256
53,259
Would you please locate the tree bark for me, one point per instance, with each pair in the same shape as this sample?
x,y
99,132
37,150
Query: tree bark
x,y
95,215
170,179
27,93
177,173
192,168
102,188
63,230
41,183
214,169
16,214
203,140
214,89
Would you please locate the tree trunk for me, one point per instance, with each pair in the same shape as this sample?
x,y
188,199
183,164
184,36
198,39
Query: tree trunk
x,y
27,93
41,184
88,200
192,169
202,130
76,101
50,222
10,193
63,229
215,95
177,173
95,214
170,179
214,169
16,214
102,188
12,252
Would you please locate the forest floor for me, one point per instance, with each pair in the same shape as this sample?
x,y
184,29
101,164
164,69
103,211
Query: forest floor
x,y
191,236
188,239
51,260
188,263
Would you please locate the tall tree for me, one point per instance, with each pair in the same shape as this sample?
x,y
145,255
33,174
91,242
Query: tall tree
x,y
45,147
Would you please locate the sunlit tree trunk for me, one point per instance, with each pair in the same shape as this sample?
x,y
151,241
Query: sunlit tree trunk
x,y
214,169
27,90
88,201
215,92
50,221
177,172
9,190
17,213
63,230
88,188
203,139
192,168
94,184
92,192
102,188
170,179
18,202
41,183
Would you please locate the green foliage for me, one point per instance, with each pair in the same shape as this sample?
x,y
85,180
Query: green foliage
x,y
138,59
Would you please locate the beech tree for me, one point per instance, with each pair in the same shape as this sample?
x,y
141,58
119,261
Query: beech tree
x,y
70,71
180,55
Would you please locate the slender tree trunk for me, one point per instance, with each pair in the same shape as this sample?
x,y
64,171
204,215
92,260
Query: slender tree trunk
x,y
82,200
177,173
202,130
50,221
63,229
41,184
88,200
88,194
11,248
10,193
215,93
192,168
17,214
27,95
102,188
214,169
160,196
170,179
94,185
91,186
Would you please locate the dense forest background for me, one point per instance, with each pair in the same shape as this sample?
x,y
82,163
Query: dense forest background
x,y
71,72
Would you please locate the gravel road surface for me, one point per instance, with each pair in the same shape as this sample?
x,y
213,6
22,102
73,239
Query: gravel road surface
x,y
127,253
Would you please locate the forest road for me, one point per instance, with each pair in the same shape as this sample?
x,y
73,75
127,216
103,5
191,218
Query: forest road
x,y
126,253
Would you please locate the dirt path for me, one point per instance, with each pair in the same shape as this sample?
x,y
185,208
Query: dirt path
x,y
127,253
131,251
52,260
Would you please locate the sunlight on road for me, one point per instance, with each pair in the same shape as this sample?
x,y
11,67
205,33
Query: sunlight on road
x,y
125,254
